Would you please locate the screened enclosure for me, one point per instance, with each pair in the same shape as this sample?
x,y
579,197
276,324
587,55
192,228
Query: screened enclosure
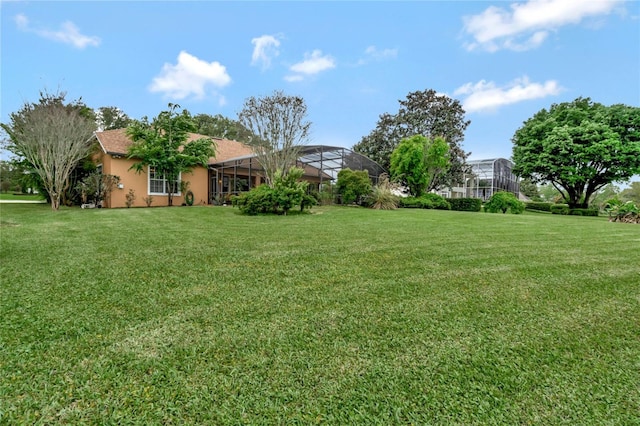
x,y
490,176
321,164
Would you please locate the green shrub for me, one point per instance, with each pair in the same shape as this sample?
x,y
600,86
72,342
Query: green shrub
x,y
426,201
353,185
503,201
287,192
623,212
259,200
435,201
465,204
559,208
409,203
583,212
382,196
538,206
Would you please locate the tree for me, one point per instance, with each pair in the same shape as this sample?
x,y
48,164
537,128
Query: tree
x,y
425,113
632,193
604,194
579,147
162,145
419,163
279,124
550,194
109,118
53,137
221,127
530,190
353,185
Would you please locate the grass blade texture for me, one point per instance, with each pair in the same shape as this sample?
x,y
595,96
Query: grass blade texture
x,y
198,315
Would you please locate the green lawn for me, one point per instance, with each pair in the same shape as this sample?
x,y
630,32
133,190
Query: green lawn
x,y
197,315
20,197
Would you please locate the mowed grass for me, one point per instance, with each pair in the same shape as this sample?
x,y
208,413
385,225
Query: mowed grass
x,y
345,316
21,197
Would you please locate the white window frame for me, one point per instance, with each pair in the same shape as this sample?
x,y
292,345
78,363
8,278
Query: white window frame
x,y
164,184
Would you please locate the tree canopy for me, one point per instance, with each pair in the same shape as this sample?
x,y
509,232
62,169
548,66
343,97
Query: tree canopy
x,y
579,147
353,185
425,113
111,117
419,163
162,145
219,126
278,123
53,137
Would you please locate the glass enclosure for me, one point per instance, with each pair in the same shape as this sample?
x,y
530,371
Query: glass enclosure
x,y
320,163
490,176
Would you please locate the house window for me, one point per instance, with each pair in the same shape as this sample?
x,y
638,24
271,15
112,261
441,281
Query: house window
x,y
158,185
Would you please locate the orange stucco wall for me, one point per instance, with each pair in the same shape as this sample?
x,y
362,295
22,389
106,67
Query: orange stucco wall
x,y
138,182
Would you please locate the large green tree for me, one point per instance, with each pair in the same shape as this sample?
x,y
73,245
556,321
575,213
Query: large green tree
x,y
163,145
425,113
279,123
111,117
219,126
579,147
419,163
53,137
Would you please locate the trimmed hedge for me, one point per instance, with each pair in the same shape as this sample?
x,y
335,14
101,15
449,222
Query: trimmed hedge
x,y
559,208
584,212
465,204
537,206
426,201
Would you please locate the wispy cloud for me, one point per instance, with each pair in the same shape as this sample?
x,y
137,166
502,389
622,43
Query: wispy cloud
x,y
373,53
68,33
380,54
190,76
527,25
487,96
314,63
264,49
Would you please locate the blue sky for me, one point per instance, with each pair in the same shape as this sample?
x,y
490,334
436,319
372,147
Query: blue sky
x,y
351,61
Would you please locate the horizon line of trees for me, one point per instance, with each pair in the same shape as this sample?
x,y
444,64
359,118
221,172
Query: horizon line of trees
x,y
580,148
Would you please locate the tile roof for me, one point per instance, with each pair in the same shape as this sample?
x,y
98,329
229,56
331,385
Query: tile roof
x,y
117,142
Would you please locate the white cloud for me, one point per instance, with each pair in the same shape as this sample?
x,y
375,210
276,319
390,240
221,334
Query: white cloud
x,y
265,48
293,78
22,22
487,96
314,63
526,25
190,76
374,53
69,33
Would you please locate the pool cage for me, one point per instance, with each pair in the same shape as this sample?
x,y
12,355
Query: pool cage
x,y
321,165
490,176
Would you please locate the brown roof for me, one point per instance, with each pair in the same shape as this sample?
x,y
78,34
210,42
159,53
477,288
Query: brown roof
x,y
117,142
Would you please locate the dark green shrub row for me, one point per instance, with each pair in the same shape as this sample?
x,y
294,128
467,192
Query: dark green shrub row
x,y
426,201
583,212
559,209
564,209
538,205
465,204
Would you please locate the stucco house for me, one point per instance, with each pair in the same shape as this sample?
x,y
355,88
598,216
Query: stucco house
x,y
234,169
